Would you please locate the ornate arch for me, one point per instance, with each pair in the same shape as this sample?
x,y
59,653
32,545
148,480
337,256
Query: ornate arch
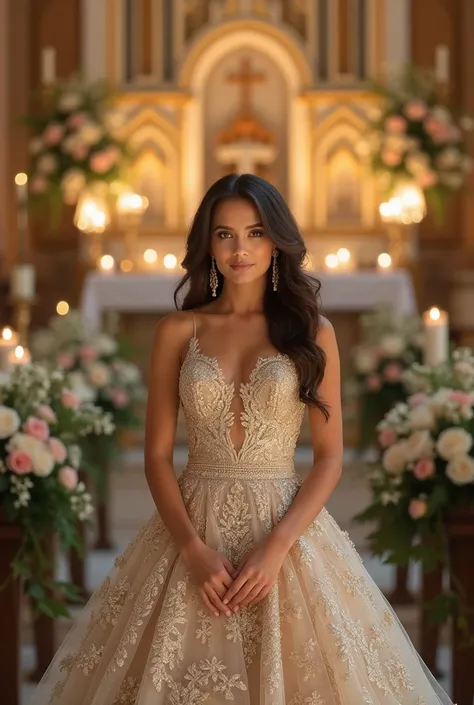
x,y
289,58
333,140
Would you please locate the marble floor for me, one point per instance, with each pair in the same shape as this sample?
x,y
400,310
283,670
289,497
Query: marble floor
x,y
131,504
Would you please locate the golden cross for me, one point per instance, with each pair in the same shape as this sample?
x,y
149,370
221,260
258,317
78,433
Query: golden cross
x,y
245,77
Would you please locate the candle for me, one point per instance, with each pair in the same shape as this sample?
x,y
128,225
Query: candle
x,y
48,66
436,331
384,262
170,261
20,356
21,188
442,64
331,261
22,282
344,258
8,342
107,264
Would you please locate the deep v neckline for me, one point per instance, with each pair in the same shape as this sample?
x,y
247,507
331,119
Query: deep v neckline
x,y
195,349
215,362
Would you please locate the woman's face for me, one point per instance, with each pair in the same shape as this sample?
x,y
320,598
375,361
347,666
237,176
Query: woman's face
x,y
241,247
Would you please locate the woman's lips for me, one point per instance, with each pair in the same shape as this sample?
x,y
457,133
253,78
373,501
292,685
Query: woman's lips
x,y
241,266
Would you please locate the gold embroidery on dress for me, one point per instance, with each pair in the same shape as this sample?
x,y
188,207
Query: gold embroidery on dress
x,y
204,631
313,699
128,692
245,627
307,660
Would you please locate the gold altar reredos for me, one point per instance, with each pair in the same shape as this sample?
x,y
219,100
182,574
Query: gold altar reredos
x,y
178,103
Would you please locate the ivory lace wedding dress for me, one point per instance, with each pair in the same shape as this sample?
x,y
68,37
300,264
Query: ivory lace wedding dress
x,y
324,635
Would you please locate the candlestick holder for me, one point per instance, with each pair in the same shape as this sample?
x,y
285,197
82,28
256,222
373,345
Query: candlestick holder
x,y
22,308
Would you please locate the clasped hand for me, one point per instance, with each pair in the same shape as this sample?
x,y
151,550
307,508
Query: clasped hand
x,y
225,589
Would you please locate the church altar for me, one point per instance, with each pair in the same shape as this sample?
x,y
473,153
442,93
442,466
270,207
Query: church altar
x,y
356,291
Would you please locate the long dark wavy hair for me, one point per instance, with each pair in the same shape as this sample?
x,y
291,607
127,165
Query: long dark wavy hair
x,y
292,311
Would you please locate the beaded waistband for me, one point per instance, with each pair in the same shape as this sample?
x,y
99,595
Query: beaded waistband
x,y
240,471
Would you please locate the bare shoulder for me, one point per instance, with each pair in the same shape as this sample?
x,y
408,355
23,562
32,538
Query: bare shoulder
x,y
174,329
326,330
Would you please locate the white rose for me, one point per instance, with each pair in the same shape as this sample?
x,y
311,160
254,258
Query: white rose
x,y
392,345
47,164
395,458
439,402
91,133
419,445
453,442
460,470
99,374
364,361
70,101
422,417
43,462
79,385
9,422
129,373
25,443
105,345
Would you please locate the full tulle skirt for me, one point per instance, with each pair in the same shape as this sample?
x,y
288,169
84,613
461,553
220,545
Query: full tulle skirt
x,y
324,635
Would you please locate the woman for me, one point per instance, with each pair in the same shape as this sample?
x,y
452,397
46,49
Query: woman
x,y
245,589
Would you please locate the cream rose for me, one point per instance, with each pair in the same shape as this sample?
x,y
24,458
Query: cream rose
x,y
454,442
99,374
365,361
419,445
422,417
395,458
43,462
9,422
24,442
392,345
460,470
105,345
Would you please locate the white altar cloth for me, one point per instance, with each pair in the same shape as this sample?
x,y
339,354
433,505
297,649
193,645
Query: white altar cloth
x,y
153,293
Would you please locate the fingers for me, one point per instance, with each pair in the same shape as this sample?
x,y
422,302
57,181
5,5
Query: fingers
x,y
235,587
216,600
260,596
228,565
250,585
208,604
252,595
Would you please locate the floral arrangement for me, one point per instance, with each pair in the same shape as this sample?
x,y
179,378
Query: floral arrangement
x,y
390,345
96,364
73,144
416,138
42,426
427,466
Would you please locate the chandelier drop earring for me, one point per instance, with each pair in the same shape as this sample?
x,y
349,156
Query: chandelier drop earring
x,y
275,271
213,280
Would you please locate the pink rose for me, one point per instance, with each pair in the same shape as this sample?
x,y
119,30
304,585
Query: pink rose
x,y
19,462
396,125
58,450
53,134
392,372
416,399
416,110
113,153
80,152
87,353
427,179
77,120
37,428
120,398
100,162
70,399
67,477
438,130
424,468
417,508
461,398
38,184
65,360
463,367
391,158
46,413
387,437
373,382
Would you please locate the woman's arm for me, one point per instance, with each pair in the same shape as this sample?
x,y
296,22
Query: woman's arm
x,y
211,571
327,450
161,417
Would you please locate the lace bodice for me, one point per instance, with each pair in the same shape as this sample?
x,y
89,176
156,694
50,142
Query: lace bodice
x,y
270,417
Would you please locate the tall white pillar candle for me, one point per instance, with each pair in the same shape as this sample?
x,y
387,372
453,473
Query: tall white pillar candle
x,y
442,63
22,282
48,66
436,332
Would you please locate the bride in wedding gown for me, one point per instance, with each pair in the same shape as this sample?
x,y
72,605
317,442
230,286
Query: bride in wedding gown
x,y
242,587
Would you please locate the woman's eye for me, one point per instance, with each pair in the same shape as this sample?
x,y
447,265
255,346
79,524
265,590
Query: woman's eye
x,y
224,235
257,233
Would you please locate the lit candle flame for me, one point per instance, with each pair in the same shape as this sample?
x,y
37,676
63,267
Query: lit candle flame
x,y
7,334
435,313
